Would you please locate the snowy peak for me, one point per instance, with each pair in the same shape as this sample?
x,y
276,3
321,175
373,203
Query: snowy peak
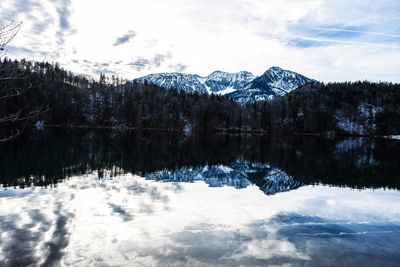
x,y
241,86
273,83
181,81
279,81
218,82
223,82
240,76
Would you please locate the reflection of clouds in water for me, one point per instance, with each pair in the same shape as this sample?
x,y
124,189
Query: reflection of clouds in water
x,y
343,243
120,211
281,240
244,247
34,236
152,191
130,220
15,239
35,223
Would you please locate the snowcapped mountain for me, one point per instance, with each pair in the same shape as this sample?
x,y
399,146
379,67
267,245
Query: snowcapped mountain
x,y
220,82
242,86
279,81
189,83
238,174
273,83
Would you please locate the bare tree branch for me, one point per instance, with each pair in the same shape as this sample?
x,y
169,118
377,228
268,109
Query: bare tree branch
x,y
10,136
7,33
13,92
14,121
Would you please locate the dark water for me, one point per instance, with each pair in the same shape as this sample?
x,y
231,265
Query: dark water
x,y
83,198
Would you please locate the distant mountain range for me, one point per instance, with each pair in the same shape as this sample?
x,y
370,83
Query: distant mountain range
x,y
242,86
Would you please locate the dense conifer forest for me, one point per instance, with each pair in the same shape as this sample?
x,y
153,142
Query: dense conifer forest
x,y
51,95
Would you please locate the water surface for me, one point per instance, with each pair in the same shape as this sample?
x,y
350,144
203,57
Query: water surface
x,y
151,199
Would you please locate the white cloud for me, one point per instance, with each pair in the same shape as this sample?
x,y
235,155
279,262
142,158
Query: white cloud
x,y
326,40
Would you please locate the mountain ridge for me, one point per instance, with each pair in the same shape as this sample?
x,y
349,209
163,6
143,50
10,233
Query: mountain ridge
x,y
242,86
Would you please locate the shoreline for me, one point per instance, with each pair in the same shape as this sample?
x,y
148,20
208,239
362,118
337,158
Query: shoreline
x,y
224,131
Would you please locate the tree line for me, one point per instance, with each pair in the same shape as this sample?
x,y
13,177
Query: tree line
x,y
60,97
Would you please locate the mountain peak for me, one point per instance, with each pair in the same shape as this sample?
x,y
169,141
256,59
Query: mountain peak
x,y
229,73
279,81
241,86
217,72
181,81
275,68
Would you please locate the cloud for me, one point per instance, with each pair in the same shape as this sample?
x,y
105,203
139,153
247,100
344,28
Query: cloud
x,y
327,40
306,33
305,41
95,67
157,60
358,31
179,67
45,29
150,43
125,38
26,51
139,63
160,58
64,11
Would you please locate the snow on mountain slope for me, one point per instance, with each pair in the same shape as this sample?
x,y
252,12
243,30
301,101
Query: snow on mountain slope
x,y
279,81
219,81
181,81
242,86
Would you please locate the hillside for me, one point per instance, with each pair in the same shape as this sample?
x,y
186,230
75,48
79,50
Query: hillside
x,y
360,108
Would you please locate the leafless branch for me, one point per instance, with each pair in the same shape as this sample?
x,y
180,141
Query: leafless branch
x,y
14,122
11,117
13,92
10,136
7,33
21,116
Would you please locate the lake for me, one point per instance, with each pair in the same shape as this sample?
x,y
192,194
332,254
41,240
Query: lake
x,y
84,198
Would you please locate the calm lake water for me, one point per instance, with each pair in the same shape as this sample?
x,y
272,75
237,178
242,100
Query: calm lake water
x,y
84,198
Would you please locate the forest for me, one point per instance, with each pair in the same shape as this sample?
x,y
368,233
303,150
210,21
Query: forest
x,y
45,94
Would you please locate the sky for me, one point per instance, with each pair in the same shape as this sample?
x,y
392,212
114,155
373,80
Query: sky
x,y
328,40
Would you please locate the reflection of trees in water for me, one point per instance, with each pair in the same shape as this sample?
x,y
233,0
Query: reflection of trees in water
x,y
47,158
357,163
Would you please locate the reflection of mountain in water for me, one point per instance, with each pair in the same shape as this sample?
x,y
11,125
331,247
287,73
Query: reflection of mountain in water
x,y
238,174
274,164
